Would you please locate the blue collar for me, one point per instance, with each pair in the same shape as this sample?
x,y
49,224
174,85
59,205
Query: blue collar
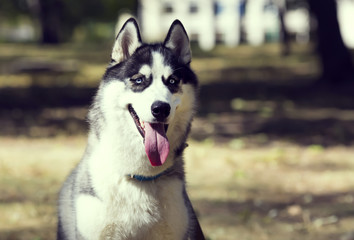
x,y
142,178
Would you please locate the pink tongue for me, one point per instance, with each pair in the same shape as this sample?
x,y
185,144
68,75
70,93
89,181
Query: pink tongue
x,y
156,143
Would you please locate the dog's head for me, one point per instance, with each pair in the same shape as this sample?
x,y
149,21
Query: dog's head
x,y
153,85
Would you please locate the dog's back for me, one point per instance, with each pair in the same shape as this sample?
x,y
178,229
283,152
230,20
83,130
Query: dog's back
x,y
130,183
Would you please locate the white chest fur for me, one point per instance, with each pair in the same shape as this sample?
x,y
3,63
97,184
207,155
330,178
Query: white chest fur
x,y
135,210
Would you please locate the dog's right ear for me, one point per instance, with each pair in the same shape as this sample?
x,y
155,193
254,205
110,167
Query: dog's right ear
x,y
127,41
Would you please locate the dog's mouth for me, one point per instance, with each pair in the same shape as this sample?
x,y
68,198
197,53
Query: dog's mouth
x,y
139,125
155,140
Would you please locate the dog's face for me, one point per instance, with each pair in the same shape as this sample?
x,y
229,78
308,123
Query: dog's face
x,y
154,86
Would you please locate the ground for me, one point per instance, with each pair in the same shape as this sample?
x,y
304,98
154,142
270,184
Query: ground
x,y
270,155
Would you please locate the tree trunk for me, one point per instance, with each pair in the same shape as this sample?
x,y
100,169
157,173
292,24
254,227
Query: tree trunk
x,y
336,60
285,37
47,13
49,16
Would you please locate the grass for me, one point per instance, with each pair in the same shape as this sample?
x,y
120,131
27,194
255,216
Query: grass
x,y
31,172
268,158
282,191
279,192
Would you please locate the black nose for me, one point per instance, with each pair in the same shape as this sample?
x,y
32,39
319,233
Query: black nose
x,y
160,110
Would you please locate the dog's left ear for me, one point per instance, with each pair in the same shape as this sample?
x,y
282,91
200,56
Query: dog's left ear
x,y
177,40
127,41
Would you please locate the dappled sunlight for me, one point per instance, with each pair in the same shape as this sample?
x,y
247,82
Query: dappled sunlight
x,y
47,122
270,154
304,191
263,64
31,172
43,66
286,119
286,189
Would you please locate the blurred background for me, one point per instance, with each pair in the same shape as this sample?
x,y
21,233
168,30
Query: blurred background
x,y
271,149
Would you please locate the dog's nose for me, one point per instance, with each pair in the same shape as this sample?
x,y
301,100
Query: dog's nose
x,y
160,110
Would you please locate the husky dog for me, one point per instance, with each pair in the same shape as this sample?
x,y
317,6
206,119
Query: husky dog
x,y
130,183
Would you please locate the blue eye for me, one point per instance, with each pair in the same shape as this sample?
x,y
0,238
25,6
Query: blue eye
x,y
172,81
137,80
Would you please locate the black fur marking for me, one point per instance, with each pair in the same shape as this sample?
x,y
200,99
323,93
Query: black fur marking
x,y
137,86
86,187
180,71
172,83
125,70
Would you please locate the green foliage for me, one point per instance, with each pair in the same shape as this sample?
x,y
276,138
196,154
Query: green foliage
x,y
82,11
63,16
238,104
11,10
88,12
237,143
315,148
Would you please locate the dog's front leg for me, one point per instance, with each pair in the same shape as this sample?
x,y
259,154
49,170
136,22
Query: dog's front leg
x,y
89,216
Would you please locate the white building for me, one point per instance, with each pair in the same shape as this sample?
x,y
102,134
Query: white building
x,y
209,21
345,10
204,20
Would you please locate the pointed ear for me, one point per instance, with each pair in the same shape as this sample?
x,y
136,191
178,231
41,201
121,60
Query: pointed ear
x,y
177,40
127,41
